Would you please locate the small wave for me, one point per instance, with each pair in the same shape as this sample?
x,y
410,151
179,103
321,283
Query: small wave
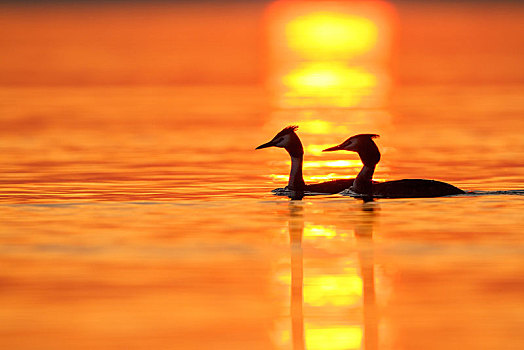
x,y
284,191
495,193
348,192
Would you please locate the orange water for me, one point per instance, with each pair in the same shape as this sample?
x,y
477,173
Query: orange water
x,y
136,214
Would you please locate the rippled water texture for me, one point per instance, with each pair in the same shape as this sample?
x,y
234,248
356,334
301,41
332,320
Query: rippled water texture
x,y
135,212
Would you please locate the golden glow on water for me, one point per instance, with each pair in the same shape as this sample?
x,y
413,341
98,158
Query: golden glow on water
x,y
135,213
319,231
311,123
336,290
316,150
333,164
350,163
317,126
279,177
330,34
326,61
330,290
317,78
333,338
320,178
329,54
319,337
351,168
328,83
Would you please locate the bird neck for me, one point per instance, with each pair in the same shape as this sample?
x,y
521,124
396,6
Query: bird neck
x,y
296,152
363,181
296,180
370,156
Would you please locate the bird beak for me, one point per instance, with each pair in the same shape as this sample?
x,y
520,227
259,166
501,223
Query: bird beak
x,y
266,145
331,149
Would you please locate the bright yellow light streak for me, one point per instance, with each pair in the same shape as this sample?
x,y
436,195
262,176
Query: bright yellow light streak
x,y
319,231
284,277
333,338
327,84
312,178
316,126
330,176
309,178
323,34
333,164
319,76
279,177
317,149
285,337
337,290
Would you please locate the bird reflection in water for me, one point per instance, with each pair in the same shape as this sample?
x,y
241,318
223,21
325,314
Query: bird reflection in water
x,y
363,229
296,231
366,257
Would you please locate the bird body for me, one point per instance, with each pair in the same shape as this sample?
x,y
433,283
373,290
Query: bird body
x,y
414,188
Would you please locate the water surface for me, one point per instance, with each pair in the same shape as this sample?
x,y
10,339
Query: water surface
x,y
139,215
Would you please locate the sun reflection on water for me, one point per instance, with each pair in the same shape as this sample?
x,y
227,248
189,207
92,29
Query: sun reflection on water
x,y
317,126
327,53
328,72
319,231
333,338
335,290
332,290
326,34
350,163
329,84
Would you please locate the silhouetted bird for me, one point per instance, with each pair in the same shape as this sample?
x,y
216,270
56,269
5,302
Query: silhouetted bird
x,y
289,140
369,154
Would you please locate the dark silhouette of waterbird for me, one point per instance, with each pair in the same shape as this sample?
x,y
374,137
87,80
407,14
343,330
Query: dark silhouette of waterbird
x,y
363,185
289,140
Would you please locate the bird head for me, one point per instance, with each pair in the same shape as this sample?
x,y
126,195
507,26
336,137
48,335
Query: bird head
x,y
362,144
288,139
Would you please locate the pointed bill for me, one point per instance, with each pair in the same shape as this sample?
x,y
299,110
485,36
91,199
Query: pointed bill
x,y
334,148
266,145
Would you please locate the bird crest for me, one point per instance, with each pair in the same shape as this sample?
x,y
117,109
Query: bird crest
x,y
371,136
359,136
287,130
